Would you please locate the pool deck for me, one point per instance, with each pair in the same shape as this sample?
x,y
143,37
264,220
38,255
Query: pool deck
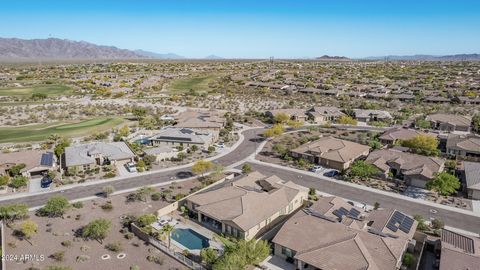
x,y
185,223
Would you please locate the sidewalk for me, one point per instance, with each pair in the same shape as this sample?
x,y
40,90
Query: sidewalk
x,y
224,152
360,187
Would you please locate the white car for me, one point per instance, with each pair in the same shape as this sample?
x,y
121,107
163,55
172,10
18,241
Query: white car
x,y
131,167
220,145
317,169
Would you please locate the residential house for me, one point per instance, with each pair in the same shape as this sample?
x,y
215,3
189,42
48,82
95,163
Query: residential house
x,y
293,114
464,146
394,135
210,121
459,251
331,152
186,137
89,155
367,116
468,100
415,170
332,234
449,122
249,206
470,175
324,114
37,162
436,99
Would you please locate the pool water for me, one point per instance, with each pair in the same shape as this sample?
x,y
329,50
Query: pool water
x,y
190,239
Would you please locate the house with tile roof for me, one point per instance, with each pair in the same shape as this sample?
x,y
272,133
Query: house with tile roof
x,y
37,162
465,146
470,175
394,135
89,155
367,116
324,114
209,121
332,234
293,114
247,207
458,251
450,122
413,169
175,136
331,152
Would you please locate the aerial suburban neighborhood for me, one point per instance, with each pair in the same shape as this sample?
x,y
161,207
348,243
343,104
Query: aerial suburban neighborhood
x,y
131,159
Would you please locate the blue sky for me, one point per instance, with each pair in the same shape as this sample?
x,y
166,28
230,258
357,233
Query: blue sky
x,y
255,29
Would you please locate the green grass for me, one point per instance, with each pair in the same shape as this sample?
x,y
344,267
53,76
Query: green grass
x,y
198,84
42,131
47,89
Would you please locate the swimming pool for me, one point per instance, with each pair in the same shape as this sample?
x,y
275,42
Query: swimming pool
x,y
190,239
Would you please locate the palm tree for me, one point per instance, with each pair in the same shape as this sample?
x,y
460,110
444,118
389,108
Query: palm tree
x,y
167,230
53,138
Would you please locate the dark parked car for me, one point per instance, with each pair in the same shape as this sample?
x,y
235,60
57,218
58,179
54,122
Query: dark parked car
x,y
331,173
46,182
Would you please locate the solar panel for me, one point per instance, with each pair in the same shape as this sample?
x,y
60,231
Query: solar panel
x,y
46,159
354,213
340,212
406,225
392,226
400,221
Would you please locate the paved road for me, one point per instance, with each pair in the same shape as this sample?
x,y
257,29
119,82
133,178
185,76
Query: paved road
x,y
245,149
241,152
451,218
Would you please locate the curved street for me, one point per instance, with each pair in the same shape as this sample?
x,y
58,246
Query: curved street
x,y
452,217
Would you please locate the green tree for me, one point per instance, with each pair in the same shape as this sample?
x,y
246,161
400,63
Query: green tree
x,y
55,207
422,144
408,260
246,168
18,181
281,118
97,229
437,224
4,180
16,169
61,145
362,169
29,228
202,166
124,131
347,120
422,226
209,255
423,124
167,230
375,144
476,122
294,124
274,131
12,212
444,183
194,148
139,112
145,220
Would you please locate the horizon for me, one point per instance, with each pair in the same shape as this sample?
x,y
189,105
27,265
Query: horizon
x,y
250,30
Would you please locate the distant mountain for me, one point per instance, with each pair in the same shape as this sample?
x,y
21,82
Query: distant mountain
x,y
328,57
55,48
159,55
213,57
426,57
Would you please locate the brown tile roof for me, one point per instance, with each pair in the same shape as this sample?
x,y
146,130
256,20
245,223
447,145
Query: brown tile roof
x,y
457,120
459,252
327,111
200,119
333,149
244,203
410,164
468,142
30,158
333,245
399,134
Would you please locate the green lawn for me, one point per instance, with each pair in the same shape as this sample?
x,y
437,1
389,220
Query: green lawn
x,y
47,89
198,84
42,131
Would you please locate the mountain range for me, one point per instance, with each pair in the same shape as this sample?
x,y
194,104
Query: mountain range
x,y
426,57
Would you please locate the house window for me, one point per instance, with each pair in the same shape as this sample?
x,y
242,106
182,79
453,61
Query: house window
x,y
290,207
288,252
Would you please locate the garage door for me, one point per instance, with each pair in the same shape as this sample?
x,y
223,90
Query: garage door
x,y
418,183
